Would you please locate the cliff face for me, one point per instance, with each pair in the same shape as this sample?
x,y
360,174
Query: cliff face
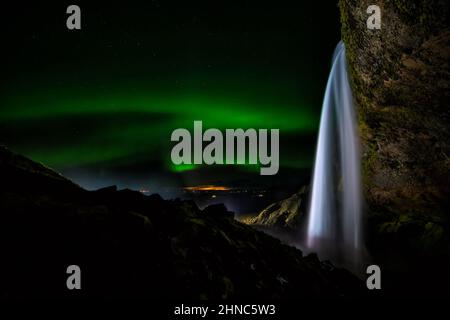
x,y
400,79
286,215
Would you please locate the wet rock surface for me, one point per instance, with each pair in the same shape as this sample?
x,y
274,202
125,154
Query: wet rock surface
x,y
401,79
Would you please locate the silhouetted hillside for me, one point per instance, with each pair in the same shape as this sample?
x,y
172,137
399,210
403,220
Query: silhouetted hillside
x,y
131,245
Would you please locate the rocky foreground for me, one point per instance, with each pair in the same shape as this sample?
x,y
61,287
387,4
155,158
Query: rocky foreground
x,y
131,245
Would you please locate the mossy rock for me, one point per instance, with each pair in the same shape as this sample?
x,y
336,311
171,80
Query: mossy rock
x,y
400,79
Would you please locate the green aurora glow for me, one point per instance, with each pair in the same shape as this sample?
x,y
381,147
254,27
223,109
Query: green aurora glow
x,y
129,139
111,94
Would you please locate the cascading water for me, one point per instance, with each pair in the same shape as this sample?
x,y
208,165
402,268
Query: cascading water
x,y
334,220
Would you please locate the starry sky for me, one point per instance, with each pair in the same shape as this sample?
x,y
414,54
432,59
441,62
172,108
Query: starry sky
x,y
99,104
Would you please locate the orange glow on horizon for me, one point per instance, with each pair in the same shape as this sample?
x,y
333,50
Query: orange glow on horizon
x,y
207,188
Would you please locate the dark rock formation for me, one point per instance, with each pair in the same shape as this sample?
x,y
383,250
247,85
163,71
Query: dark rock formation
x,y
400,78
129,245
286,215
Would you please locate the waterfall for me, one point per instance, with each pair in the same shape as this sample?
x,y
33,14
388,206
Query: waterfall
x,y
334,217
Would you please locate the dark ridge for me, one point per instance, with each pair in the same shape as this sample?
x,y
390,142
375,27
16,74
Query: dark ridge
x,y
129,245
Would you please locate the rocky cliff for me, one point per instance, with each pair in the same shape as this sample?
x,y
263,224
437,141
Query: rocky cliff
x,y
286,215
400,78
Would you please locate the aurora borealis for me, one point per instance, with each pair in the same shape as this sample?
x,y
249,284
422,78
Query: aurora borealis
x,y
103,101
130,122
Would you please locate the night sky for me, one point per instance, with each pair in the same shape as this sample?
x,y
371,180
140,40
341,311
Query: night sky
x,y
99,104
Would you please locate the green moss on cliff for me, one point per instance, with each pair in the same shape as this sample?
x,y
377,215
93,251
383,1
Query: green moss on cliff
x,y
400,79
350,40
428,14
